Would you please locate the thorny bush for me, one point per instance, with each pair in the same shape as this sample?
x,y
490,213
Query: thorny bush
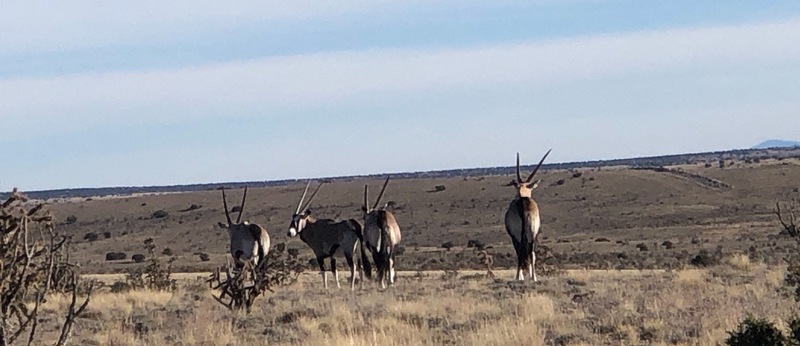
x,y
34,264
241,286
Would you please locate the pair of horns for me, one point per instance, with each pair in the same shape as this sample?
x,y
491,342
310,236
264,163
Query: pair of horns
x,y
530,177
378,201
304,207
241,208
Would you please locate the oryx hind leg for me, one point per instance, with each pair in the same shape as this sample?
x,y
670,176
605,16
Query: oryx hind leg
x,y
321,263
532,267
335,272
391,270
521,262
349,258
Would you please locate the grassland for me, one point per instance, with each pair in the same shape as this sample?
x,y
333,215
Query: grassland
x,y
606,218
576,307
620,240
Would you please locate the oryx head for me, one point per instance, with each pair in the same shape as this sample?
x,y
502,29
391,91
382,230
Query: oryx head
x,y
365,207
302,213
244,236
525,187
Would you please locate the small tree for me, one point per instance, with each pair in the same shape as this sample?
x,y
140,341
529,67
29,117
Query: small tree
x,y
241,286
34,262
756,332
155,275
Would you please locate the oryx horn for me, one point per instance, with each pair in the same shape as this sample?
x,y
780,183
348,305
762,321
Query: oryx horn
x,y
225,204
241,207
530,177
305,207
383,189
299,204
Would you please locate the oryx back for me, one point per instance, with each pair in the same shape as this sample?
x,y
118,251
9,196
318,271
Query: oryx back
x,y
248,242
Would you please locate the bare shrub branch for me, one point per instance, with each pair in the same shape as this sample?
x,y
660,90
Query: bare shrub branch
x,y
31,268
240,287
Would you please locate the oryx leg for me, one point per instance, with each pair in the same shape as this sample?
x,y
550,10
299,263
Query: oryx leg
x,y
391,269
521,254
335,272
349,258
379,266
321,263
532,266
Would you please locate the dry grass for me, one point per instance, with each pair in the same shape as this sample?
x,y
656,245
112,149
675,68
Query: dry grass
x,y
581,307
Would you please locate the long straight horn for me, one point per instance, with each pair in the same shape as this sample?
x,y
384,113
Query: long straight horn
x,y
241,208
366,195
299,204
305,207
225,204
530,177
519,176
383,189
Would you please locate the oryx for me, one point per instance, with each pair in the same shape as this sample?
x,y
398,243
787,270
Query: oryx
x,y
249,241
522,221
326,236
381,235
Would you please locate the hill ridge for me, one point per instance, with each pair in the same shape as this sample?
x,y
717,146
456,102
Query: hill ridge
x,y
649,161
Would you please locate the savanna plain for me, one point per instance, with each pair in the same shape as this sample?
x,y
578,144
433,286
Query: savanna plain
x,y
673,256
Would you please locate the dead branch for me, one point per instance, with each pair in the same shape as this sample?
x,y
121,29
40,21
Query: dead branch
x,y
30,269
488,260
241,286
790,224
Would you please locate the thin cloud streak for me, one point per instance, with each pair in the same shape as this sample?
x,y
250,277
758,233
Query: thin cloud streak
x,y
282,84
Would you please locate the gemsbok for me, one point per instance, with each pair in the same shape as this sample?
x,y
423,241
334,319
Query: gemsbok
x,y
381,235
326,236
522,221
249,241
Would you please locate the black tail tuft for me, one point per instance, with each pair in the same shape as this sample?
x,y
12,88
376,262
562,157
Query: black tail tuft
x,y
366,266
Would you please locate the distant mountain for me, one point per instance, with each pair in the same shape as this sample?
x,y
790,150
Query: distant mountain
x,y
777,143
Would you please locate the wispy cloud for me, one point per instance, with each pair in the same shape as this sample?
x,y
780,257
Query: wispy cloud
x,y
282,84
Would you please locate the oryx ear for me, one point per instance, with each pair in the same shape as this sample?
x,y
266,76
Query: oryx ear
x,y
308,212
364,208
511,183
222,225
535,184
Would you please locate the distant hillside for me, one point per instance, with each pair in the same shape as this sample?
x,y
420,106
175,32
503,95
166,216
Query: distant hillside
x,y
777,143
653,161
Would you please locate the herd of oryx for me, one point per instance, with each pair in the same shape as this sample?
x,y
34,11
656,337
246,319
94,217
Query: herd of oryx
x,y
379,233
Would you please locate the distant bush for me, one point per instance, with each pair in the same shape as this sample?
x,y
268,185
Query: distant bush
x,y
205,258
668,244
236,209
72,219
439,188
193,207
477,244
106,234
91,236
447,245
399,250
642,247
166,252
138,258
602,240
704,259
560,182
708,165
577,174
160,214
756,332
116,256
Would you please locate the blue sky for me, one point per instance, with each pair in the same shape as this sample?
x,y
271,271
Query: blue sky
x,y
98,93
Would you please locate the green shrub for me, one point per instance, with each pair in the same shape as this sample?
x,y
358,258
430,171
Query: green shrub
x,y
756,332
